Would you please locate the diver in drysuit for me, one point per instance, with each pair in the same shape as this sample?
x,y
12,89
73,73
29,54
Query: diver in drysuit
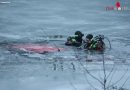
x,y
75,40
88,41
95,43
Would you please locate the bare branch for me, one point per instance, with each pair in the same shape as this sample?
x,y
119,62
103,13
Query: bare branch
x,y
125,82
104,70
119,79
87,70
89,82
72,85
110,72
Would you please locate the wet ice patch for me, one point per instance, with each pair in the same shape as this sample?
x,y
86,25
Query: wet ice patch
x,y
10,36
5,2
37,48
109,59
33,55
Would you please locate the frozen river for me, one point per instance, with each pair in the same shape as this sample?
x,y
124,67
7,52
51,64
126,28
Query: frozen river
x,y
34,21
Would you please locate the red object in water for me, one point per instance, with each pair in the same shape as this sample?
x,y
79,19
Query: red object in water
x,y
118,4
37,48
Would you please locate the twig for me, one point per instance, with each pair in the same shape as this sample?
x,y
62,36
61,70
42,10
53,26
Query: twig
x,y
72,85
125,82
88,71
104,70
119,79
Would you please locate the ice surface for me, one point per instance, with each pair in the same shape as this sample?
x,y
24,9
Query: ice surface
x,y
34,21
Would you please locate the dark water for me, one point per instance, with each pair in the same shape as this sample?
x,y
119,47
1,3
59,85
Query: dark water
x,y
33,21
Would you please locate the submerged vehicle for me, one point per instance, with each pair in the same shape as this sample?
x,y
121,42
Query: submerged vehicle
x,y
36,48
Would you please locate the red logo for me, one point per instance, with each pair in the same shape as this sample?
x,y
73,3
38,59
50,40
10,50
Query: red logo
x,y
118,4
117,7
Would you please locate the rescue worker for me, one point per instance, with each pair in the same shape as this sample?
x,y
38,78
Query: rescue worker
x,y
75,40
88,41
95,43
